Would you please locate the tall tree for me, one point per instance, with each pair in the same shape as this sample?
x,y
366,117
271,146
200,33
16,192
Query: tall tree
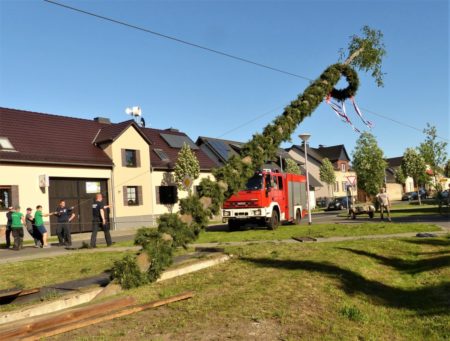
x,y
187,168
413,165
433,151
369,164
292,167
327,174
447,169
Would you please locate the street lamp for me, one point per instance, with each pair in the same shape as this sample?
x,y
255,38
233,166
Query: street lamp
x,y
305,137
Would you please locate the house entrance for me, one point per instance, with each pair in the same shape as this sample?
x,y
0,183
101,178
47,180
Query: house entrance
x,y
79,193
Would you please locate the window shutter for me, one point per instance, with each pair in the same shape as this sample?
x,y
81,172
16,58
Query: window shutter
x,y
138,158
125,196
124,158
157,188
14,195
140,197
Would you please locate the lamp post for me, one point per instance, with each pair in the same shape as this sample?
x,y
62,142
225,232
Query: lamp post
x,y
305,137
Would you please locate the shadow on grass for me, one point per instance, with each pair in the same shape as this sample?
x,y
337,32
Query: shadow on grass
x,y
431,300
409,266
434,242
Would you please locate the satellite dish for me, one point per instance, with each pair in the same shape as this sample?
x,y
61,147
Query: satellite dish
x,y
137,111
128,111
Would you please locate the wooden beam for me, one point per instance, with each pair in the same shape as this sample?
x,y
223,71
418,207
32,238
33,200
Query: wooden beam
x,y
62,328
72,315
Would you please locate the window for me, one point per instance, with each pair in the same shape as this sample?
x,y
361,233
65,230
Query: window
x,y
5,144
131,158
343,167
9,196
336,186
344,185
167,195
280,182
132,195
161,154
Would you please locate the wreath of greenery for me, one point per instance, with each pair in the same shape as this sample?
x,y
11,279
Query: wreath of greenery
x,y
353,83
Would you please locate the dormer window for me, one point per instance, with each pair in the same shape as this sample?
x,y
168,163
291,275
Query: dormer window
x,y
6,145
161,154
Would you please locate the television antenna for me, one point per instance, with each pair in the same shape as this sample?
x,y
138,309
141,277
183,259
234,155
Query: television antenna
x,y
136,112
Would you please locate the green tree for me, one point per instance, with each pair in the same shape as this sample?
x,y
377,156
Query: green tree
x,y
399,175
327,174
433,152
292,167
447,169
187,166
369,164
413,165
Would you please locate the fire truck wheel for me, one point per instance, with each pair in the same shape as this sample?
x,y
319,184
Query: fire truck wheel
x,y
298,217
274,221
233,224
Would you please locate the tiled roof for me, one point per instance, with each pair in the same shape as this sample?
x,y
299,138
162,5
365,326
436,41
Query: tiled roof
x,y
52,139
333,153
158,142
394,162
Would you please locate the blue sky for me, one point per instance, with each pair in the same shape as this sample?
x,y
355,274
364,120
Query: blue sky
x,y
57,61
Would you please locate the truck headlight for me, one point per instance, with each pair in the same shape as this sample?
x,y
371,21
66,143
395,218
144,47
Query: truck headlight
x,y
257,212
226,213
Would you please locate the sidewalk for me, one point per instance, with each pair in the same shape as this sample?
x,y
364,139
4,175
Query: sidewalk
x,y
29,252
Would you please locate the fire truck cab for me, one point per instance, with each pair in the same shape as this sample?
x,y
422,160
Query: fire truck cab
x,y
270,198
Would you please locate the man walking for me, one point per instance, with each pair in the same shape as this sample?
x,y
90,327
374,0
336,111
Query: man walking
x,y
31,228
99,221
64,216
17,222
385,203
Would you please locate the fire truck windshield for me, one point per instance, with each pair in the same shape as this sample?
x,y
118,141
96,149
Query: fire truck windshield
x,y
255,182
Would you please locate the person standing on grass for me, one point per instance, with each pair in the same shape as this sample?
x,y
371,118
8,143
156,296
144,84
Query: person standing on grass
x,y
64,216
385,203
17,222
39,222
99,221
8,227
31,228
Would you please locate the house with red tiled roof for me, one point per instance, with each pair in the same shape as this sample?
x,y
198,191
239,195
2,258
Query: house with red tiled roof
x,y
338,156
45,158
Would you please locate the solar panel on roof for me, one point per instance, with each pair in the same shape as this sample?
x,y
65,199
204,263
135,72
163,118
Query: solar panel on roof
x,y
177,141
220,147
162,155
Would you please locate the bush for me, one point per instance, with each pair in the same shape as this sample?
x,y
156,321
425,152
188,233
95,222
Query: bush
x,y
127,273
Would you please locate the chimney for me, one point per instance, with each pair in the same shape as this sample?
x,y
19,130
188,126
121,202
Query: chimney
x,y
103,120
321,146
172,130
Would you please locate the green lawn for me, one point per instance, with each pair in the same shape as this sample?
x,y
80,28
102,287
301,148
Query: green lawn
x,y
395,289
320,230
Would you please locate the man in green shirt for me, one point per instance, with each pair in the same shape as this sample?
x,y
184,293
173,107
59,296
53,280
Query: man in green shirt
x,y
17,222
39,222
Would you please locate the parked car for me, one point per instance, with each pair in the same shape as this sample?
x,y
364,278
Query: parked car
x,y
338,203
408,196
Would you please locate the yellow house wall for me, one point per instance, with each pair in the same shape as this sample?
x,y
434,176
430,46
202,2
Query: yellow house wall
x,y
131,176
27,178
342,176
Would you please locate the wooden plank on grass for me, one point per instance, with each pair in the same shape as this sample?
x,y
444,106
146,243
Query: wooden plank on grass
x,y
36,324
63,328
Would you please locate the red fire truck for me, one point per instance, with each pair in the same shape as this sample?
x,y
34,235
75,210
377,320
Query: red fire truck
x,y
269,198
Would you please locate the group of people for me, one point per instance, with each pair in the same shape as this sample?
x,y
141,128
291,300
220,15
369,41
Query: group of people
x,y
34,224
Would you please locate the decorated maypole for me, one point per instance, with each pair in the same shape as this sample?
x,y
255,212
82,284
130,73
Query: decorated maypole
x,y
365,53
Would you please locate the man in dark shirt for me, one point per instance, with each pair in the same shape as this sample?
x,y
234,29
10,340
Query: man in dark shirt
x,y
99,221
64,216
8,226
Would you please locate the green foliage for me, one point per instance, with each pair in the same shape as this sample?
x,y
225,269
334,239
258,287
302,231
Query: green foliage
x,y
447,169
210,189
413,165
433,152
127,273
192,205
187,165
400,176
292,167
366,53
181,233
352,313
327,173
160,255
369,164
